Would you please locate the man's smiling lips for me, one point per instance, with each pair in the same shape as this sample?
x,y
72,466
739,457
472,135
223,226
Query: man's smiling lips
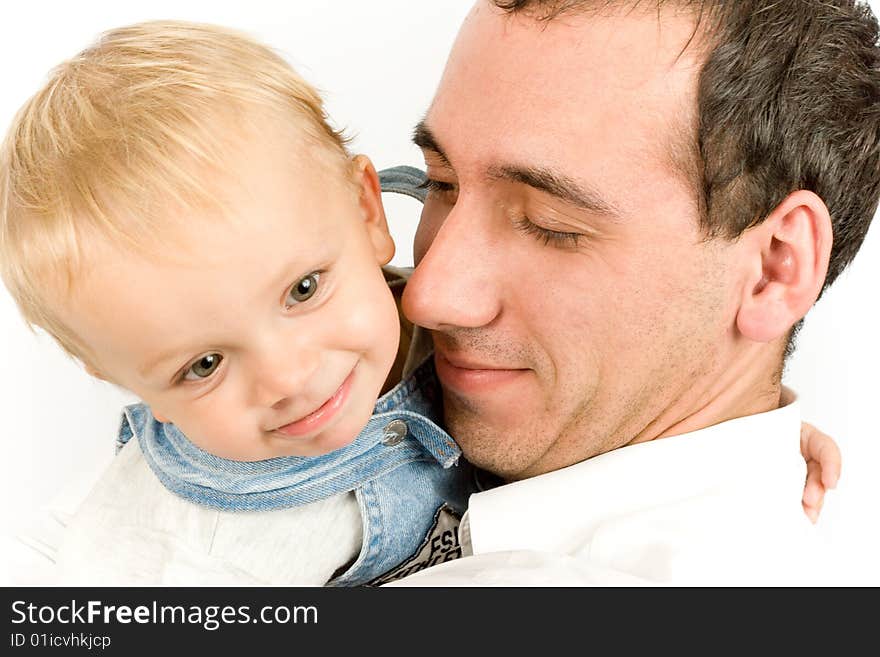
x,y
471,376
321,417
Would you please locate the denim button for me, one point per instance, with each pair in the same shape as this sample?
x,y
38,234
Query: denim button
x,y
394,432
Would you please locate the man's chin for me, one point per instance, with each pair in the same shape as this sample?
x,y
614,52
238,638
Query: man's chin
x,y
501,447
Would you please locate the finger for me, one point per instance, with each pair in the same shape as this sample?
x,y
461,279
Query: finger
x,y
816,510
807,430
821,448
829,457
812,514
813,489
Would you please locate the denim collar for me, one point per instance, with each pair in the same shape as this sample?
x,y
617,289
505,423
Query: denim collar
x,y
288,481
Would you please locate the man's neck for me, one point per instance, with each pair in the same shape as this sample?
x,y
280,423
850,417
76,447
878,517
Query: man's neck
x,y
747,385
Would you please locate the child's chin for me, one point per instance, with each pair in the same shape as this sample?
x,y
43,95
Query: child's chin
x,y
341,436
324,443
332,444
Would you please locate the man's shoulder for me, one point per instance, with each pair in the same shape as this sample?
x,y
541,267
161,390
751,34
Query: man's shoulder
x,y
521,568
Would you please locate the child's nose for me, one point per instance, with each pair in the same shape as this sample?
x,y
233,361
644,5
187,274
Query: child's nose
x,y
285,376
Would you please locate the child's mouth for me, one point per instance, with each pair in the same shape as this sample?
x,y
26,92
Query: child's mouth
x,y
320,417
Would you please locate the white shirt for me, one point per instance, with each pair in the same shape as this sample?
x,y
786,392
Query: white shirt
x,y
132,531
718,506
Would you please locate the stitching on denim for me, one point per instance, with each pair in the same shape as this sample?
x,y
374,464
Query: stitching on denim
x,y
367,502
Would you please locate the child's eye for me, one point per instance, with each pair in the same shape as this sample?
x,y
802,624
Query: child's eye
x,y
203,367
303,290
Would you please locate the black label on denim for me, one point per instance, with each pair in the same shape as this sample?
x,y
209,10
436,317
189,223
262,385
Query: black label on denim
x,y
441,544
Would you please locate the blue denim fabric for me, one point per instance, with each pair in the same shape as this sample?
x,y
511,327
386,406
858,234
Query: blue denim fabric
x,y
288,481
399,485
408,181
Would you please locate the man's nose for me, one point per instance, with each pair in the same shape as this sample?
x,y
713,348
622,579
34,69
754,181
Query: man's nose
x,y
455,283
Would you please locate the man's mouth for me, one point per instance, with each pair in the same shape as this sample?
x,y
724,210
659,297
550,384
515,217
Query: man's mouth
x,y
320,417
471,375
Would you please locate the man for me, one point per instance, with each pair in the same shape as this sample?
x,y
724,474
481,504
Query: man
x,y
632,207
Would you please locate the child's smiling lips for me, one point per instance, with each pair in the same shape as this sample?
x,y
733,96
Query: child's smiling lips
x,y
319,418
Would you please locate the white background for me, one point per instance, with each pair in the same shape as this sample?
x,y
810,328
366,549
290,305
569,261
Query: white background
x,y
378,64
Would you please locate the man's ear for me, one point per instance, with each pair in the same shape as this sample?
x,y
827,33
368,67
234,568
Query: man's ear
x,y
787,261
374,211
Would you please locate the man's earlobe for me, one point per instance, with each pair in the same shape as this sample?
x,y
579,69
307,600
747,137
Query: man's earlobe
x,y
373,209
789,257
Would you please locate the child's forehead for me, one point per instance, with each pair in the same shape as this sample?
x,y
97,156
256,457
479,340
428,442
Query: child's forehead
x,y
202,280
269,196
272,184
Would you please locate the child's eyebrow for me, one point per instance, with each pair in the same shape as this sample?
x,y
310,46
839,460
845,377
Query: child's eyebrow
x,y
148,368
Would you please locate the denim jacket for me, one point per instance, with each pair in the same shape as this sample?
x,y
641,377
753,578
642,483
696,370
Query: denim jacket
x,y
406,472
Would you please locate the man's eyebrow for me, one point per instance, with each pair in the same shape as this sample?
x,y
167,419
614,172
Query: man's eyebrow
x,y
546,180
558,185
425,139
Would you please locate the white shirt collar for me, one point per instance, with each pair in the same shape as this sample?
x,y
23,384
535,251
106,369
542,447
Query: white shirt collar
x,y
757,456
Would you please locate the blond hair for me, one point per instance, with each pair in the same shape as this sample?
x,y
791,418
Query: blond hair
x,y
122,131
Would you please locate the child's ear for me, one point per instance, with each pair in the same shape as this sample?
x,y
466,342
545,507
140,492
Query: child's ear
x,y
374,211
787,260
91,370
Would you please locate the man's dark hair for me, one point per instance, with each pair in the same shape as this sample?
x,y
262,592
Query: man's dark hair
x,y
789,98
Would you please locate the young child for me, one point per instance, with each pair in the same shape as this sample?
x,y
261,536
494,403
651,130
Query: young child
x,y
179,216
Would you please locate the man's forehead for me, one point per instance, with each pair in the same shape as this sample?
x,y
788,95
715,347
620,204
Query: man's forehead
x,y
545,10
625,48
572,88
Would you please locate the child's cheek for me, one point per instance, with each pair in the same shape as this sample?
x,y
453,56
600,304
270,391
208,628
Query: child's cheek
x,y
372,322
